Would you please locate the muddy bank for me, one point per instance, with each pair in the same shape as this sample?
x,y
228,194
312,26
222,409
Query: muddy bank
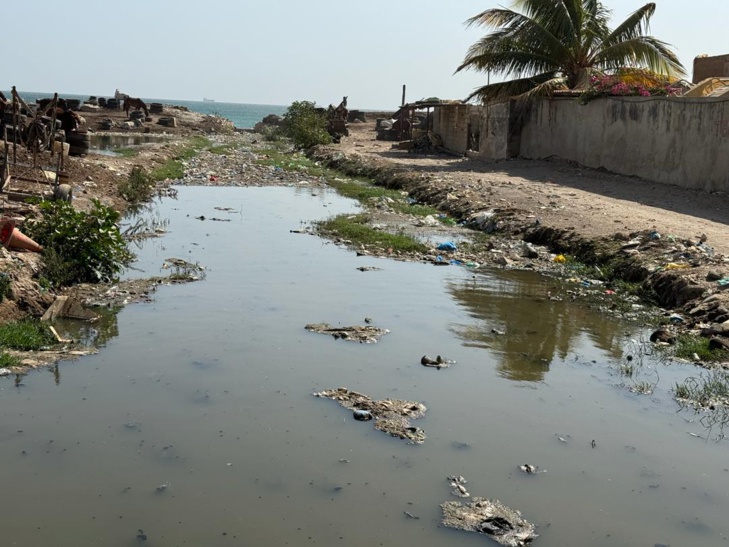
x,y
685,275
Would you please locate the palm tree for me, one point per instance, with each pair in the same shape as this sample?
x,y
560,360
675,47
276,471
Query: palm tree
x,y
559,44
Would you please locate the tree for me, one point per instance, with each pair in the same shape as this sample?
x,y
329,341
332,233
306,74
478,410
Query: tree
x,y
305,125
560,44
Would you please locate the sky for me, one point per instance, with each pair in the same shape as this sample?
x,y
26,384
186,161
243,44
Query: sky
x,y
275,52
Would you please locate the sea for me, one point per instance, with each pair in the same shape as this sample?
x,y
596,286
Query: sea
x,y
243,116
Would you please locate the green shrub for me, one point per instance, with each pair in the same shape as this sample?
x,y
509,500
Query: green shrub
x,y
26,335
80,247
139,186
305,125
7,360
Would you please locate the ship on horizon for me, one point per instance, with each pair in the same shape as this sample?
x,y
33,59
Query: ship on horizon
x,y
206,100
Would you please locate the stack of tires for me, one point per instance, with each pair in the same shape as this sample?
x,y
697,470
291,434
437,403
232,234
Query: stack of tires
x,y
156,108
79,142
113,104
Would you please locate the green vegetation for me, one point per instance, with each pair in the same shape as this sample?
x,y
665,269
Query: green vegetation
x,y
26,335
139,186
7,360
305,125
127,152
79,246
355,229
688,347
706,391
291,161
564,44
174,168
221,149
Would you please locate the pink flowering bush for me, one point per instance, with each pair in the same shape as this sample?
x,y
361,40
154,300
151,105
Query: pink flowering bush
x,y
607,86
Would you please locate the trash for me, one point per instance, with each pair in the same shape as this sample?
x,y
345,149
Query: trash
x,y
13,238
677,266
68,307
723,282
438,362
654,235
5,372
458,487
675,318
362,334
410,515
530,469
560,259
504,525
498,332
447,246
391,416
362,415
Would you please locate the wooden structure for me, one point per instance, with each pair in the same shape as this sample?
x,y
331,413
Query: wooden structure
x,y
32,158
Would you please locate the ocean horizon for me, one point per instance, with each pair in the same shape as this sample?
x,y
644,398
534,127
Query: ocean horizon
x,y
243,115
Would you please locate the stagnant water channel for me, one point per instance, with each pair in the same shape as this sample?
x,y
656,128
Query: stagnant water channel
x,y
196,423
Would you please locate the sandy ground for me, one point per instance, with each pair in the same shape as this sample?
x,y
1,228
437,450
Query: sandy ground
x,y
591,202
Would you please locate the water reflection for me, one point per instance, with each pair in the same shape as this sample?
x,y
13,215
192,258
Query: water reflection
x,y
521,316
105,142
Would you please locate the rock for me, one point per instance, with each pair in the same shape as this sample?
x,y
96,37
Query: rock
x,y
663,335
717,343
362,415
714,275
5,372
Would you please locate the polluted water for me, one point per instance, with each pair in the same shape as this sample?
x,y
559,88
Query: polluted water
x,y
197,424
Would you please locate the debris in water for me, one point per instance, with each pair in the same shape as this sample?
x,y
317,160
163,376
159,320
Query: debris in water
x,y
458,486
141,536
439,362
362,334
410,515
392,416
368,268
504,525
162,487
530,469
362,415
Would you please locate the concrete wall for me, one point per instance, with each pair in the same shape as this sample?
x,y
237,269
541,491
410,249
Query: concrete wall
x,y
706,67
677,141
451,123
484,132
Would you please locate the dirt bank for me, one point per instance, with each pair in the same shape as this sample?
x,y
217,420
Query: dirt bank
x,y
669,240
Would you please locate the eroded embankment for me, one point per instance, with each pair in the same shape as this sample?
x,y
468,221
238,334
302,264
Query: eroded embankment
x,y
678,275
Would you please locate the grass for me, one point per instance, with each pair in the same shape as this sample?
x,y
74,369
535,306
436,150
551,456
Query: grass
x,y
222,149
127,152
355,229
139,186
174,167
687,345
8,360
706,391
281,157
26,335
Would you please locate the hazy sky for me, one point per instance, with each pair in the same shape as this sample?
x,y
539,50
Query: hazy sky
x,y
279,51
